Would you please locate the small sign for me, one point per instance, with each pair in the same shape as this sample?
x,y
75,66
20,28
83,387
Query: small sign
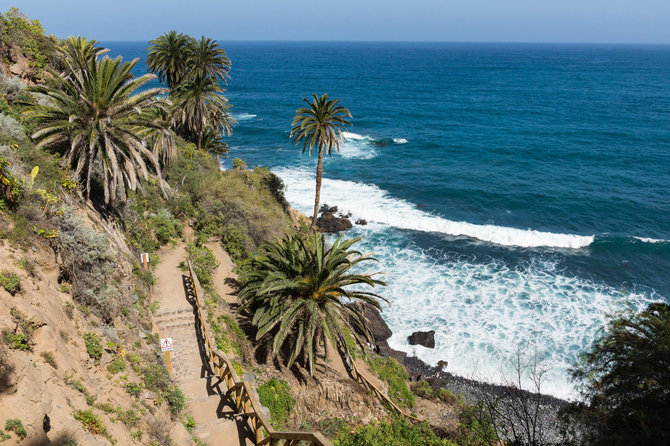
x,y
166,345
144,260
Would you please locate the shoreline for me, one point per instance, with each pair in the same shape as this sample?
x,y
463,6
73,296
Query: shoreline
x,y
472,390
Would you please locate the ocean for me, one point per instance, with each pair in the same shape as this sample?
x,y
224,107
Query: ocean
x,y
516,194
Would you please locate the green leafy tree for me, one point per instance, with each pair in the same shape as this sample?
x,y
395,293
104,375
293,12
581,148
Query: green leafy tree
x,y
319,125
626,380
94,115
296,290
168,57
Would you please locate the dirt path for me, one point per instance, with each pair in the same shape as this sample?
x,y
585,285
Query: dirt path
x,y
216,422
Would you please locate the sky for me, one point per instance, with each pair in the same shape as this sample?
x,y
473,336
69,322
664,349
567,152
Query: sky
x,y
578,21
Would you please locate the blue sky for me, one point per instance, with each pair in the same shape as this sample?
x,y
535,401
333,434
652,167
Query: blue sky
x,y
600,21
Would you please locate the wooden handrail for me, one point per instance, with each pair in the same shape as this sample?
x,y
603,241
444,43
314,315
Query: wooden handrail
x,y
243,395
381,395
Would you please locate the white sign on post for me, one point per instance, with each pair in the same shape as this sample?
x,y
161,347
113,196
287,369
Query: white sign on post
x,y
166,344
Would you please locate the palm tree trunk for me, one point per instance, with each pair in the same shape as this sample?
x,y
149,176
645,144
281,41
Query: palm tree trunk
x,y
319,174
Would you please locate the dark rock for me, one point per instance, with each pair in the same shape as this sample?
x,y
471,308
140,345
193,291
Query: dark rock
x,y
380,331
361,222
384,350
325,209
425,338
331,223
442,364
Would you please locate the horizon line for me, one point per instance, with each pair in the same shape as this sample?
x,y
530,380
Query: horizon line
x,y
489,42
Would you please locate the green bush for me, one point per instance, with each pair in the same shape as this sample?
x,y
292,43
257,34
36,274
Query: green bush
x,y
93,345
276,396
90,422
395,432
21,337
116,366
625,380
396,376
15,425
10,282
238,163
133,389
156,379
204,262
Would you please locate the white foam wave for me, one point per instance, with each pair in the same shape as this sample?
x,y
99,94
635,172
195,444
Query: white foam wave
x,y
400,140
651,240
356,146
244,116
378,207
483,312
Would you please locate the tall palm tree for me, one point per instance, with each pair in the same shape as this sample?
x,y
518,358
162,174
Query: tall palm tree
x,y
94,116
208,60
320,125
168,57
200,104
296,291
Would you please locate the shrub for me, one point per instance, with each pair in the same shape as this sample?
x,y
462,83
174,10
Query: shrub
x,y
396,376
189,424
395,432
276,396
10,186
116,366
238,163
10,282
28,266
15,425
130,418
156,379
87,264
204,262
133,389
93,345
10,129
21,337
626,380
49,359
90,422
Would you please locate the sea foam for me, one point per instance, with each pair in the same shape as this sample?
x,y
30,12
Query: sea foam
x,y
378,207
484,310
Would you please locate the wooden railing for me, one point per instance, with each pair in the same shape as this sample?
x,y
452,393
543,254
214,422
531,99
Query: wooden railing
x,y
358,376
242,394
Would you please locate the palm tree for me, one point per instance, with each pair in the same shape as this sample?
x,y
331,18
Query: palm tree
x,y
94,116
168,57
212,143
208,60
200,104
319,125
78,52
157,132
295,291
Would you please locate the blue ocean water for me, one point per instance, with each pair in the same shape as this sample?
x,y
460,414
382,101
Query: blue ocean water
x,y
516,194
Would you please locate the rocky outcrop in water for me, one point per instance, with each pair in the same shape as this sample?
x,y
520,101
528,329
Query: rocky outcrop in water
x,y
425,338
329,222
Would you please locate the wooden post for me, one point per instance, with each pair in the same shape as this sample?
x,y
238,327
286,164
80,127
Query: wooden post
x,y
168,362
144,260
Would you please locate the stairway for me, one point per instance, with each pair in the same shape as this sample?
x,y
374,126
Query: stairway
x,y
216,422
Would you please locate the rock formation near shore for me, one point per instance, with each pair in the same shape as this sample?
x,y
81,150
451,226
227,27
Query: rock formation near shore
x,y
425,338
329,222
